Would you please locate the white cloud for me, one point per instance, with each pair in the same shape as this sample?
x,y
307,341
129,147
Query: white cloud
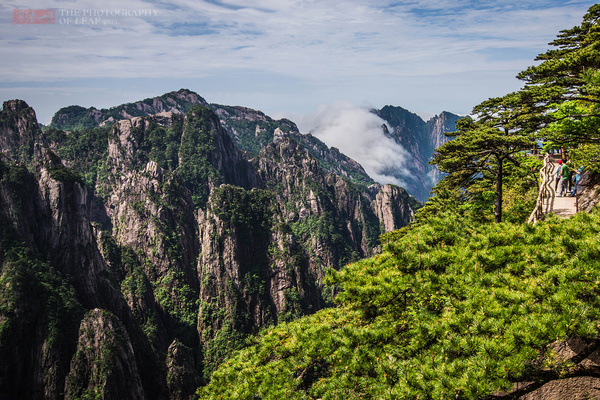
x,y
358,133
352,49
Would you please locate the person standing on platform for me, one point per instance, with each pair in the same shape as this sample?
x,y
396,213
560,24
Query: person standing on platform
x,y
557,175
576,179
564,180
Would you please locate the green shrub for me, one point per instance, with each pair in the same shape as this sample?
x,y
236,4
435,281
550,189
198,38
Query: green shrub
x,y
449,310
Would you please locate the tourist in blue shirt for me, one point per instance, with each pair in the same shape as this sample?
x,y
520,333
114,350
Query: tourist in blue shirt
x,y
577,179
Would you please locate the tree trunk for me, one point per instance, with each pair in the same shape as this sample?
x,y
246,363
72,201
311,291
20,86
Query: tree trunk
x,y
498,208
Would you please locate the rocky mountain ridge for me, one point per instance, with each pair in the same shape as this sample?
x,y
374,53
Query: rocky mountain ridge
x,y
77,117
252,130
147,251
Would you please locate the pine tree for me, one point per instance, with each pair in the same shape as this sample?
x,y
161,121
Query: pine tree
x,y
564,88
481,147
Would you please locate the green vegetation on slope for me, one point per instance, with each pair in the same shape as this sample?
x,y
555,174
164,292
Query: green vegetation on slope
x,y
456,307
197,144
448,310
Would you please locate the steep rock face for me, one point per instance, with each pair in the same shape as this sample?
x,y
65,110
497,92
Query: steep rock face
x,y
51,270
392,206
147,204
63,224
181,378
18,131
38,308
588,189
160,231
104,363
326,213
252,272
436,127
419,139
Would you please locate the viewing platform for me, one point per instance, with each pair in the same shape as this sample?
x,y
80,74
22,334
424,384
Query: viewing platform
x,y
548,202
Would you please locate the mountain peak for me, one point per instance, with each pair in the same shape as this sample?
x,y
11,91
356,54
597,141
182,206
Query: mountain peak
x,y
14,106
77,117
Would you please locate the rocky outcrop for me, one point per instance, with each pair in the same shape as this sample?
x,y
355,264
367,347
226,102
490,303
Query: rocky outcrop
x,y
332,161
577,358
19,131
181,378
173,249
588,190
104,364
392,206
251,130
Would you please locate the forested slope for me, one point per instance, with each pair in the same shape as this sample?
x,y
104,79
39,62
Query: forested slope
x,y
449,310
469,301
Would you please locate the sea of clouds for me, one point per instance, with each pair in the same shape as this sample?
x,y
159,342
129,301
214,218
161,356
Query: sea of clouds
x,y
359,134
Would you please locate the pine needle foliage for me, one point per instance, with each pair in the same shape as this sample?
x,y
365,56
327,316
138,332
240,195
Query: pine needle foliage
x,y
449,310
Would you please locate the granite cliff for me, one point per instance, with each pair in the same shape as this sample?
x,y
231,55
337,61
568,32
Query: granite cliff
x,y
147,250
419,138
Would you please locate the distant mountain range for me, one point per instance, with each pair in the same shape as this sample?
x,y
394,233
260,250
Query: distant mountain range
x,y
252,130
420,139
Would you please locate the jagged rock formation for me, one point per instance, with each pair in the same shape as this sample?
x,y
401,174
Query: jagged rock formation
x,y
104,363
77,117
420,139
134,258
250,130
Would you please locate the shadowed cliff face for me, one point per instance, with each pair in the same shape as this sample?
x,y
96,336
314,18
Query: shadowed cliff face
x,y
104,363
419,139
51,271
148,251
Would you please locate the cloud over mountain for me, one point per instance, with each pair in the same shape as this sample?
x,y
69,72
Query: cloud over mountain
x,y
358,133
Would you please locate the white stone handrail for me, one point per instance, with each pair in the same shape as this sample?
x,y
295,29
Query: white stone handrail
x,y
545,199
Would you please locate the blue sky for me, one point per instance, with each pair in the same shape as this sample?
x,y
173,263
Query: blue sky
x,y
283,57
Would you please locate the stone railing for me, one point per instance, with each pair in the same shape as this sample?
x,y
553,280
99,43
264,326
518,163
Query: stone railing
x,y
545,199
